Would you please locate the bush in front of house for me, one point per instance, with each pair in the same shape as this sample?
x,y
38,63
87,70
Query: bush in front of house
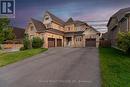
x,y
26,43
37,42
22,49
123,41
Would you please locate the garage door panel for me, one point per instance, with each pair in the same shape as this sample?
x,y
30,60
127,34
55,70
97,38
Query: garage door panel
x,y
51,42
90,42
59,42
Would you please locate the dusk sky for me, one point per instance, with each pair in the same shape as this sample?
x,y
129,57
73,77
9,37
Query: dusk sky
x,y
85,10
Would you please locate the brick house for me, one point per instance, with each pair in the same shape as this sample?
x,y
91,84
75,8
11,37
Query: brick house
x,y
119,22
57,33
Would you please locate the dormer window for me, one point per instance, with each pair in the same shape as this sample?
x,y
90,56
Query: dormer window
x,y
47,18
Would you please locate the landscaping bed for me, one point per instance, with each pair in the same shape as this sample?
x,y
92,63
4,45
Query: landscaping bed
x,y
8,58
115,68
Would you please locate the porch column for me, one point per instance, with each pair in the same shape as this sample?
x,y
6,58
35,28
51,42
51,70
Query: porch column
x,y
64,41
84,40
55,42
73,41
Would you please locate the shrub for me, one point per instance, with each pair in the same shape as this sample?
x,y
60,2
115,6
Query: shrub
x,y
37,42
123,41
22,49
27,43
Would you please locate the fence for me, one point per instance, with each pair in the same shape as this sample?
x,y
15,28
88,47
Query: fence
x,y
105,43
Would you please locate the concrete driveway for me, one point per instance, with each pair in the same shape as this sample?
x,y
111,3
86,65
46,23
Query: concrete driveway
x,y
58,67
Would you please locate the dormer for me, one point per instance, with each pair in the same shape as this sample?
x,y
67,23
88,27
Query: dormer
x,y
47,20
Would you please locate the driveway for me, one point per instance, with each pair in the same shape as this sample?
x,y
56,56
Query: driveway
x,y
57,67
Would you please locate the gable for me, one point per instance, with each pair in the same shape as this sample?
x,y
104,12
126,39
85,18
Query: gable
x,y
90,31
30,28
47,19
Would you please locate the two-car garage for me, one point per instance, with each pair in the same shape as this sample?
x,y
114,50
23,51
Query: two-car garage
x,y
52,42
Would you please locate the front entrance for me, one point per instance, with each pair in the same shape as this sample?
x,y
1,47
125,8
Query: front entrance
x,y
68,41
90,42
51,42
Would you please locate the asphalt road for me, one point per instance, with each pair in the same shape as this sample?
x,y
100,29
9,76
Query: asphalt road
x,y
57,67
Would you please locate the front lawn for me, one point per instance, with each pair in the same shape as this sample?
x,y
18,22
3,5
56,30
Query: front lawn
x,y
8,58
115,68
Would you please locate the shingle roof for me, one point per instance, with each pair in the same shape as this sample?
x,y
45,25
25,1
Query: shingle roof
x,y
54,31
19,32
55,18
40,27
76,23
121,13
79,23
69,21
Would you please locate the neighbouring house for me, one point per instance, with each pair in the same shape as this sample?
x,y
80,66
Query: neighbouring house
x,y
57,33
17,43
119,22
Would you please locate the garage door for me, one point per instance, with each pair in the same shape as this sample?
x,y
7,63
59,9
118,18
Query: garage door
x,y
59,42
51,42
90,42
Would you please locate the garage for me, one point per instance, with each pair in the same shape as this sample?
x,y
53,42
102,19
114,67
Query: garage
x,y
59,42
51,42
90,42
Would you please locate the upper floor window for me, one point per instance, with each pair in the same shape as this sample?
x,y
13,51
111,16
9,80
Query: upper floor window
x,y
47,18
69,29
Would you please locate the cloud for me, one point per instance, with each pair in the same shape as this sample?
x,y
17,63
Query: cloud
x,y
78,9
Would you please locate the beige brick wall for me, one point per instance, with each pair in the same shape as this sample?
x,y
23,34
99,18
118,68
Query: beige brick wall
x,y
57,26
70,28
50,35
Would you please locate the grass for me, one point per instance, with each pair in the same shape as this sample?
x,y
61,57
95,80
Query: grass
x,y
115,68
8,58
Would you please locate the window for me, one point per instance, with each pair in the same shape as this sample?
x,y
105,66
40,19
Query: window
x,y
47,18
68,28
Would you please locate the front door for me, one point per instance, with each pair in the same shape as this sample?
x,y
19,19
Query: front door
x,y
69,41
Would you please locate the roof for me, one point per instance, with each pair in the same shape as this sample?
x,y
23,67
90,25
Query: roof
x,y
40,27
68,34
19,32
79,23
55,18
52,30
120,14
76,23
69,21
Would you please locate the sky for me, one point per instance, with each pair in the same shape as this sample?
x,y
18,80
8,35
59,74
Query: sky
x,y
85,10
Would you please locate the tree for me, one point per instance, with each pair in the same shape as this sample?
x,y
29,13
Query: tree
x,y
6,32
37,42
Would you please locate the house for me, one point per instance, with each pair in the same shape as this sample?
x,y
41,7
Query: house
x,y
15,44
119,22
57,33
